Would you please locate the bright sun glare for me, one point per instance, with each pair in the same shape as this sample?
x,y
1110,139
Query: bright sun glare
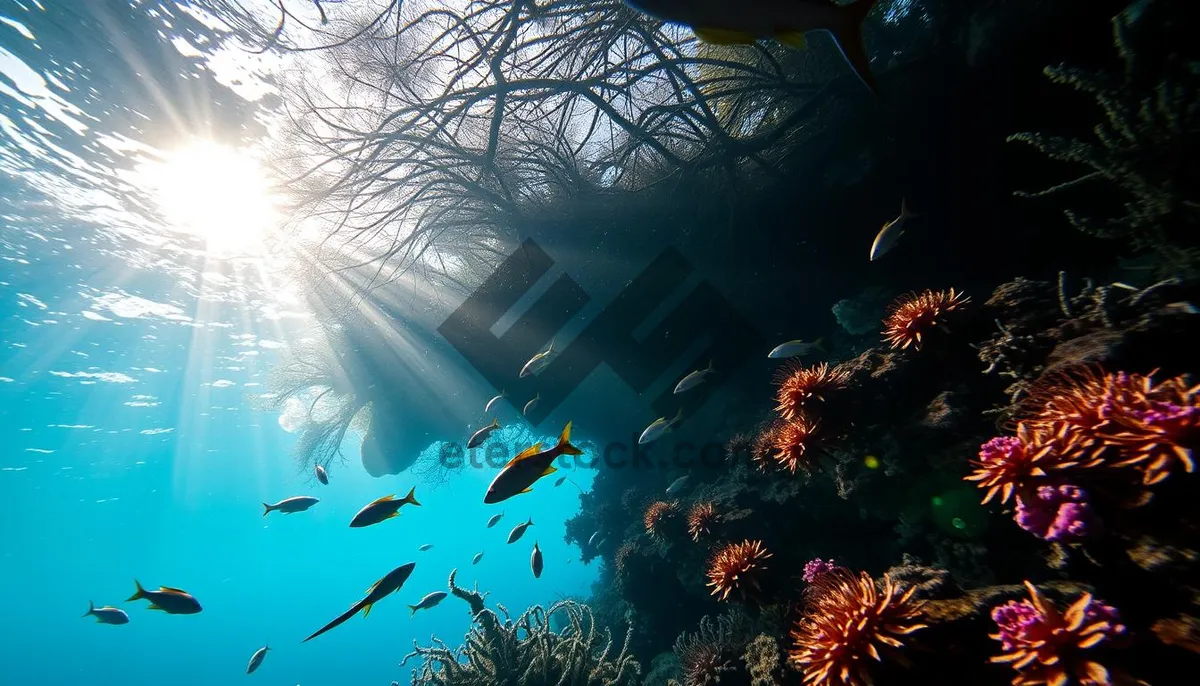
x,y
217,193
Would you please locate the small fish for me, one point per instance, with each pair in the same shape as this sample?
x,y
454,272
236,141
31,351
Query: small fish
x,y
487,409
529,406
677,485
475,560
384,508
538,362
173,601
558,482
784,21
794,348
1183,307
519,531
535,561
593,538
694,379
495,518
659,427
106,614
527,467
428,601
322,476
425,547
292,505
480,436
390,583
890,233
256,659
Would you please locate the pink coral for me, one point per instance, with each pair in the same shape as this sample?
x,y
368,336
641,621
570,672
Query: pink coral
x,y
1056,513
814,569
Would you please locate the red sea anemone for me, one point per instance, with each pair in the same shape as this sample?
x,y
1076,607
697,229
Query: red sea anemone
x,y
1009,464
700,520
657,514
799,385
848,620
792,442
1048,647
912,317
734,566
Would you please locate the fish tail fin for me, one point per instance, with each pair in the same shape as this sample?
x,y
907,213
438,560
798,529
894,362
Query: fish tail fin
x,y
138,594
411,498
266,509
819,344
678,416
849,38
414,609
91,609
530,522
496,422
904,211
712,366
564,442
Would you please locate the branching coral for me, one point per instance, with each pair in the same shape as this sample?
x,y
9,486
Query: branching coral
x,y
735,566
700,520
848,619
1049,647
710,652
799,386
911,318
526,651
762,661
1147,147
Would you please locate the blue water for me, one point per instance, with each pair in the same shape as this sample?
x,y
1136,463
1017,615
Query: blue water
x,y
158,476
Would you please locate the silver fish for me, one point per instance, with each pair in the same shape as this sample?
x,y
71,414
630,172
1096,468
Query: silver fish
x,y
592,539
298,503
428,601
531,404
694,379
322,476
256,659
487,409
475,560
794,348
659,427
677,485
519,531
425,547
106,614
480,436
538,362
535,561
495,518
890,233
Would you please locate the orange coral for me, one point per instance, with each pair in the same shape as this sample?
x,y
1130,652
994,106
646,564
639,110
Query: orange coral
x,y
1007,463
763,448
847,620
913,316
700,520
792,441
657,514
1047,647
734,565
799,385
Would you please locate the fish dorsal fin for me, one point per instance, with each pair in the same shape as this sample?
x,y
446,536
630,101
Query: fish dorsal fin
x,y
168,589
792,39
384,499
723,36
525,454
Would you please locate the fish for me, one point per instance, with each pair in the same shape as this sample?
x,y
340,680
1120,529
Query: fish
x,y
495,518
428,601
384,508
559,481
475,560
527,467
721,22
173,601
659,427
535,561
256,659
538,362
389,584
106,614
322,476
487,409
1183,307
480,436
592,539
519,531
677,485
292,505
531,404
891,232
694,379
794,348
425,547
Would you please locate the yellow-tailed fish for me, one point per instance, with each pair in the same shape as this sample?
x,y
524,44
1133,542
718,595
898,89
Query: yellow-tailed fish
x,y
389,584
538,362
891,232
527,467
795,348
487,409
173,601
383,509
694,379
480,436
659,427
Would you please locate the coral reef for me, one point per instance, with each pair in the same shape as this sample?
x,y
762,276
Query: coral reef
x,y
712,650
526,650
1147,146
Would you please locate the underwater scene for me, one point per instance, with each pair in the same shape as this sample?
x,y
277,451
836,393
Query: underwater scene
x,y
599,342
